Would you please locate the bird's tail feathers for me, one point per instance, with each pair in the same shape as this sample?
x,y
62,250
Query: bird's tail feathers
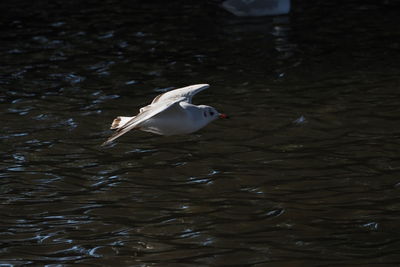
x,y
119,124
120,121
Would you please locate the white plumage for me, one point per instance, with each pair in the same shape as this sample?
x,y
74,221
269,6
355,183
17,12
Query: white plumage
x,y
171,113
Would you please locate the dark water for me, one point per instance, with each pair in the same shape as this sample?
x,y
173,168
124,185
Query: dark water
x,y
305,173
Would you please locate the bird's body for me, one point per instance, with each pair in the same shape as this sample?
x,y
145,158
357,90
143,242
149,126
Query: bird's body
x,y
181,118
171,113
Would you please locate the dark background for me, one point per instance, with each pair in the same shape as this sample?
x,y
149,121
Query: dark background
x,y
305,173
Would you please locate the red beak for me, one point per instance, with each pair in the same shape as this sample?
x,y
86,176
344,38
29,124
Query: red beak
x,y
223,116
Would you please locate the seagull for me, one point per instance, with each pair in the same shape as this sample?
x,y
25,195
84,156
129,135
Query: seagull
x,y
171,113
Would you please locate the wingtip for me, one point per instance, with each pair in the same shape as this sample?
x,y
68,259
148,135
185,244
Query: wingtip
x,y
109,140
200,85
105,143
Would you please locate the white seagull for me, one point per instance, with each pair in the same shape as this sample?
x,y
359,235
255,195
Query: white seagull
x,y
171,113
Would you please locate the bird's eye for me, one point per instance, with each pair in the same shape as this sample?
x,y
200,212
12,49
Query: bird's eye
x,y
211,113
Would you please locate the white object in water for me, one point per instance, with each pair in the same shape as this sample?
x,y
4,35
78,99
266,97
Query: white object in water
x,y
171,113
257,8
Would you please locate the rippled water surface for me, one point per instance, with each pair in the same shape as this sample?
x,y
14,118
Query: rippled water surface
x,y
305,173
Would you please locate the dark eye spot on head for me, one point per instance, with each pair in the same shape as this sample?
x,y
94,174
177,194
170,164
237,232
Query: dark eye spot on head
x,y
211,113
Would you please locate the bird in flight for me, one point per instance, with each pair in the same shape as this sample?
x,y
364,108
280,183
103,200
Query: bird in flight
x,y
171,113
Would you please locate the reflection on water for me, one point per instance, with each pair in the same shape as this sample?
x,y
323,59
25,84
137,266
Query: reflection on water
x,y
304,173
257,8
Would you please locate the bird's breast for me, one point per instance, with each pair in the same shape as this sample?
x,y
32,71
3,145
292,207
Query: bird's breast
x,y
169,124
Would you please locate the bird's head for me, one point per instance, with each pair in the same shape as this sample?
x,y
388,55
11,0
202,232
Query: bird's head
x,y
210,113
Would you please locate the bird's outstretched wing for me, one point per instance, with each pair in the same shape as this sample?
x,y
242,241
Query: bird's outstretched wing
x,y
186,92
146,114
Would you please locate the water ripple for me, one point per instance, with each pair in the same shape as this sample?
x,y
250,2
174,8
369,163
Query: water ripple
x,y
304,172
